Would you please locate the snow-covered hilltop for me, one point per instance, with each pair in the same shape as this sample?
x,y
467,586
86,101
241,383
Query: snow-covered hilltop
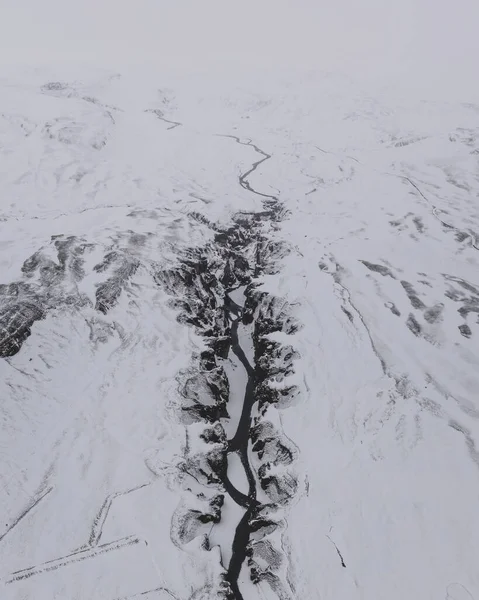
x,y
239,334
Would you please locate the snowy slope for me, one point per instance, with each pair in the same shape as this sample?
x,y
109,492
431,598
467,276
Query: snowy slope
x,y
239,331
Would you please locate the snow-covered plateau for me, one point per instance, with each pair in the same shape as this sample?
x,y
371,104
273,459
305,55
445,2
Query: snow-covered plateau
x,y
239,336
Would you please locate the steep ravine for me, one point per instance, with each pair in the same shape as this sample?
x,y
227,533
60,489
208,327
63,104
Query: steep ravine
x,y
202,286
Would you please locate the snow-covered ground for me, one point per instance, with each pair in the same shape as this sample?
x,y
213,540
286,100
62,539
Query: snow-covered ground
x,y
362,309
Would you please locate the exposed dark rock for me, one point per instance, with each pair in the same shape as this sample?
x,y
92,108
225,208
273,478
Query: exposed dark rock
x,y
434,313
461,236
465,330
281,397
412,295
54,86
413,325
46,285
454,294
207,467
262,527
214,435
280,487
258,575
124,266
206,387
273,358
470,305
463,283
270,443
419,224
381,269
188,522
16,322
196,413
392,307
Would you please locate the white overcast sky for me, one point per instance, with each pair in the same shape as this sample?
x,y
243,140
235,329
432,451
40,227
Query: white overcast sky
x,y
425,41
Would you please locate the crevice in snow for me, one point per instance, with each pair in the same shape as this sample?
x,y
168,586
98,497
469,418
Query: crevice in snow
x,y
343,564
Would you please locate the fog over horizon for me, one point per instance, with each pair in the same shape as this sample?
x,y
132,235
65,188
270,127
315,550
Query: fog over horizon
x,y
418,44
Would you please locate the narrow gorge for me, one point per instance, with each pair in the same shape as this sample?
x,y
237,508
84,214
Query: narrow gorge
x,y
237,460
